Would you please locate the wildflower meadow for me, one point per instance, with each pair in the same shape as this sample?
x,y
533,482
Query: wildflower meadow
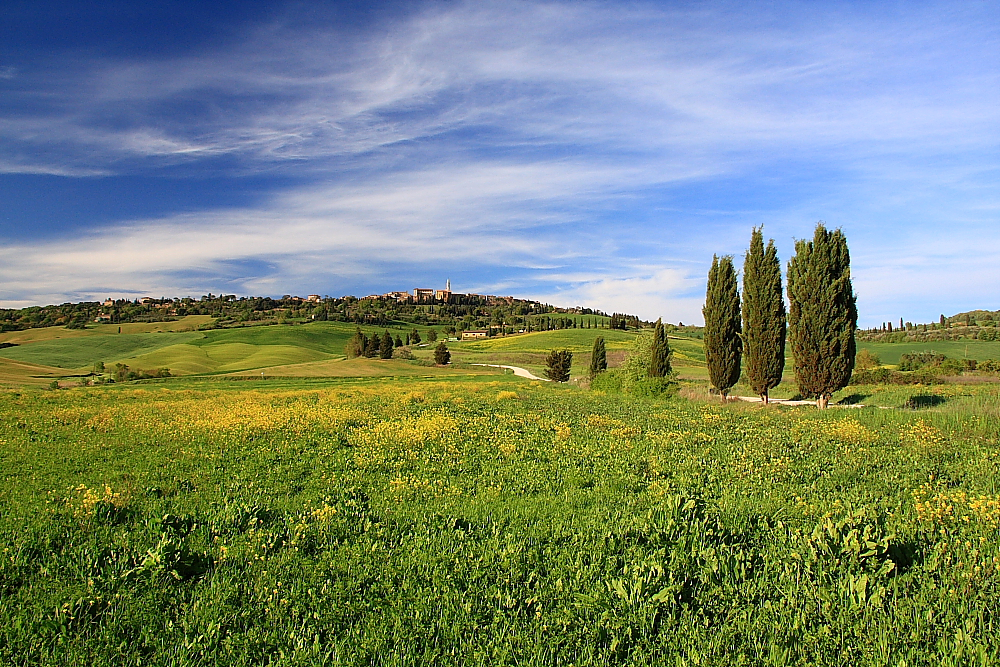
x,y
487,521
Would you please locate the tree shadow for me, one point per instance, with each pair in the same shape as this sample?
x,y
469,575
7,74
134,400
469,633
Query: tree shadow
x,y
853,399
923,401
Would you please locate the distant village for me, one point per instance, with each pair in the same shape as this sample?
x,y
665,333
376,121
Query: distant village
x,y
445,307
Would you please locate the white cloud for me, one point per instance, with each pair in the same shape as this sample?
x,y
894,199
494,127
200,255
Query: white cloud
x,y
651,293
494,134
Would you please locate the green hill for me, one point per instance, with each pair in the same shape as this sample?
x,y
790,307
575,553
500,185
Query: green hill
x,y
81,351
574,340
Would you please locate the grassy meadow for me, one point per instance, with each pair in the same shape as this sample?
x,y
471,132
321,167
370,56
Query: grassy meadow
x,y
387,512
488,520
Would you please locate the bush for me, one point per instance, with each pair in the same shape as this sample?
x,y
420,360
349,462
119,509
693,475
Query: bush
x,y
655,387
990,366
610,382
871,375
866,359
402,353
917,360
886,376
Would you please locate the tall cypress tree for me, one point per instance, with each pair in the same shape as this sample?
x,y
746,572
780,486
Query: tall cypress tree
x,y
385,349
763,316
723,345
659,362
823,314
598,357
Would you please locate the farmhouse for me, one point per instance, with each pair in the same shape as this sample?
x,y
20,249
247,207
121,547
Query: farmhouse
x,y
475,333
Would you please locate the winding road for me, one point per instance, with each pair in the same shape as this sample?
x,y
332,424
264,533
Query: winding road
x,y
518,371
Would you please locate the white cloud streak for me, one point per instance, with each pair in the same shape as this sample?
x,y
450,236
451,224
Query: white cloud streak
x,y
469,133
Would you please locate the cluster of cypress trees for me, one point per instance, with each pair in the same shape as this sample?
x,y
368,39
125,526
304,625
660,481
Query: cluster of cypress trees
x,y
362,345
821,321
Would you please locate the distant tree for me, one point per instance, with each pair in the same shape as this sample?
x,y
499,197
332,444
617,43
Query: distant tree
x,y
385,349
723,345
441,354
98,367
763,316
866,359
558,365
372,348
944,321
399,341
432,335
121,373
823,314
414,337
598,357
357,345
659,358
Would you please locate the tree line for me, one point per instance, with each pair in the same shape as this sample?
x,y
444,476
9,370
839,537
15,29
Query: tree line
x,y
749,334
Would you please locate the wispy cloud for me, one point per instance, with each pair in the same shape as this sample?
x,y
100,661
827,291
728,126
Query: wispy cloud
x,y
597,153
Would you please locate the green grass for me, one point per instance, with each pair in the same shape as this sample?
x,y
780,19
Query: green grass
x,y
83,351
889,353
212,351
490,521
574,340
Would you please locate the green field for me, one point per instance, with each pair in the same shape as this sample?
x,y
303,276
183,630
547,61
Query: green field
x,y
889,353
316,349
490,521
184,352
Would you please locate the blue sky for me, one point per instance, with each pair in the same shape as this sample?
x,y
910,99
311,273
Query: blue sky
x,y
581,153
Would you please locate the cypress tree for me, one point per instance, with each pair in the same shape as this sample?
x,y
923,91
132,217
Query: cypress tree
x,y
385,350
823,314
659,362
372,348
598,357
441,354
723,345
399,341
763,316
558,365
357,345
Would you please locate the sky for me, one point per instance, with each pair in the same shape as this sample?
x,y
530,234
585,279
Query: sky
x,y
579,153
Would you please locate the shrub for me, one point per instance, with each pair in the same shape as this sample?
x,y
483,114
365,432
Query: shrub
x,y
866,359
990,366
917,360
871,376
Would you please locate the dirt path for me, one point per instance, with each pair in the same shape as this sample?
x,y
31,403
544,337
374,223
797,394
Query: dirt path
x,y
788,401
518,371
